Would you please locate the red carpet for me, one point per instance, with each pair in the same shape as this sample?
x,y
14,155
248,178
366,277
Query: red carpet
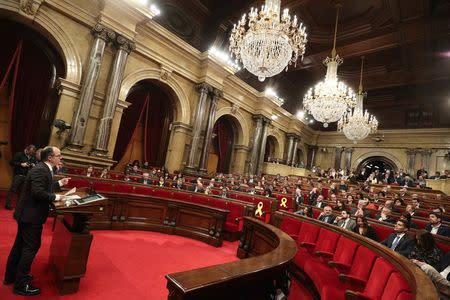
x,y
122,264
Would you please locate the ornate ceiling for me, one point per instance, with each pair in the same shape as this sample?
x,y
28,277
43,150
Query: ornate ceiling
x,y
406,44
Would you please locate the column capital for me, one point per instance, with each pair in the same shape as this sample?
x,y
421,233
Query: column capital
x,y
103,32
216,94
203,88
349,150
181,127
262,118
122,43
411,151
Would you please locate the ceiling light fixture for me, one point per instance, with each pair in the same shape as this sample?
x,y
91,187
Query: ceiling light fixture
x,y
269,41
329,99
358,124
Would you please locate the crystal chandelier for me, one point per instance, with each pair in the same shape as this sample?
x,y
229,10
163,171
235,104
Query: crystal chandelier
x,y
329,99
358,124
268,44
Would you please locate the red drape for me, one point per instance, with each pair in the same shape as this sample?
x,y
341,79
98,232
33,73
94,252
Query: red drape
x,y
30,91
156,131
139,98
225,142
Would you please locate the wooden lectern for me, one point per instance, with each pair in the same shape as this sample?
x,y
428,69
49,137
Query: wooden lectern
x,y
69,250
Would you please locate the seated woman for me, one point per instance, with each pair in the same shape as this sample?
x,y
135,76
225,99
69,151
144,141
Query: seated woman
x,y
340,206
363,228
104,174
426,250
161,182
306,212
89,171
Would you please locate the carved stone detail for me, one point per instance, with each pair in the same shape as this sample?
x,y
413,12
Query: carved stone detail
x,y
124,44
106,34
234,109
30,7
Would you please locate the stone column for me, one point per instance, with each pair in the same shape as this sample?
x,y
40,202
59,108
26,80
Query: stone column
x,y
102,36
294,149
411,161
256,142
288,152
348,157
204,89
177,144
125,46
426,157
216,94
240,156
337,158
310,161
262,148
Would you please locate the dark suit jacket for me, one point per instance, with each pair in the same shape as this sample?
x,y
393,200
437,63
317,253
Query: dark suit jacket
x,y
404,247
37,196
149,181
388,220
330,219
442,230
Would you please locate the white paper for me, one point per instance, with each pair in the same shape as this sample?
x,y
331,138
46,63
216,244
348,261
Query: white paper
x,y
73,190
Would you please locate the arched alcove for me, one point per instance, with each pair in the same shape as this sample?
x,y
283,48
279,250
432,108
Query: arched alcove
x,y
225,133
379,163
145,124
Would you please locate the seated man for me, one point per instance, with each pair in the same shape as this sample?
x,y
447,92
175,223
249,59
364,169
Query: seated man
x,y
385,216
318,202
435,226
223,193
400,241
198,186
89,171
407,217
344,221
178,184
145,178
360,210
327,215
410,209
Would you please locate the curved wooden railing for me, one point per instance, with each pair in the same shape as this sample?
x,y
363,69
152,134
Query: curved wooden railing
x,y
420,285
266,253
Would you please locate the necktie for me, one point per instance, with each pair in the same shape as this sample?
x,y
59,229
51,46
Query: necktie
x,y
395,242
343,224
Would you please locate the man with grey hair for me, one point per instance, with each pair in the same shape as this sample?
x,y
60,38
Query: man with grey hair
x,y
31,212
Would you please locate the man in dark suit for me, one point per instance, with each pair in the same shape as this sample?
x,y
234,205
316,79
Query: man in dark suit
x,y
327,215
400,241
385,216
145,178
21,163
318,202
435,226
344,221
31,212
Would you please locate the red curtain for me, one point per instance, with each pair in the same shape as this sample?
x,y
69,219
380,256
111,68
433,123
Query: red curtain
x,y
139,98
156,133
26,67
224,133
31,86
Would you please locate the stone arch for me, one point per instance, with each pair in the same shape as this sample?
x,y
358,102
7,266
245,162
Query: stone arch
x,y
46,25
279,146
302,147
397,162
181,103
242,128
271,144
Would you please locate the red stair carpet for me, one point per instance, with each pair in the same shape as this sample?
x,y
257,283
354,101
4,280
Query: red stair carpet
x,y
122,264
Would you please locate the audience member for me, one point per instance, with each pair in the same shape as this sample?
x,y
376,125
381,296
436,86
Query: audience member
x,y
363,228
400,241
426,250
435,226
327,215
344,221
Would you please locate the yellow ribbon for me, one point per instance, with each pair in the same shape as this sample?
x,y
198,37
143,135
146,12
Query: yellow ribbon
x,y
283,202
259,209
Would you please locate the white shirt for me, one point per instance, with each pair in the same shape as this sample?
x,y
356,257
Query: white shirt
x,y
434,229
58,197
